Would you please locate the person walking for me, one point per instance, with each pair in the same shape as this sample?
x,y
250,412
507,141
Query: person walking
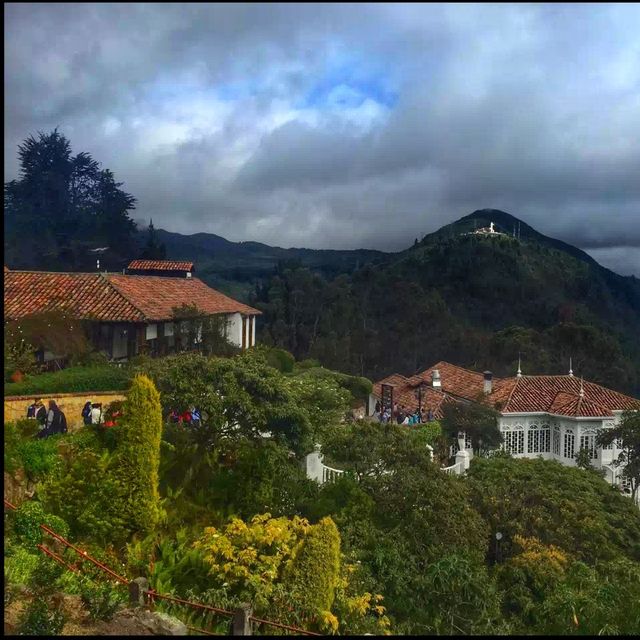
x,y
86,413
56,421
96,413
37,411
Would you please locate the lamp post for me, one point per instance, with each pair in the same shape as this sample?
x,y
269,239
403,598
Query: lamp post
x,y
498,538
418,394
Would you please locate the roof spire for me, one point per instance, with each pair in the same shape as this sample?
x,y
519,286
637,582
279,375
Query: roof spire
x,y
581,388
570,368
519,374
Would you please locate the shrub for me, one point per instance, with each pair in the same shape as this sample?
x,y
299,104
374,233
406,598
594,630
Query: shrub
x,y
87,495
281,360
39,457
312,574
44,578
72,379
39,620
101,600
137,457
20,565
28,518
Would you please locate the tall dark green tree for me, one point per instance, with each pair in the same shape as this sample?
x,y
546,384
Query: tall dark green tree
x,y
153,250
62,206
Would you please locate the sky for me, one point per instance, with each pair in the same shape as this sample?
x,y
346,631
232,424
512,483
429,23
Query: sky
x,y
347,125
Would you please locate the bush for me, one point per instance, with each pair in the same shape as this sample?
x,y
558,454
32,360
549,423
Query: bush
x,y
28,518
101,600
71,380
281,360
20,565
312,574
137,457
38,620
40,457
87,495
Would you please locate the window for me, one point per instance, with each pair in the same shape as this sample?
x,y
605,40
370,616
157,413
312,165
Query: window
x,y
538,439
467,441
588,442
556,441
569,444
514,440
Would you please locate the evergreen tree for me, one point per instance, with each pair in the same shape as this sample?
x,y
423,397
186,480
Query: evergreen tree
x,y
138,455
61,206
153,250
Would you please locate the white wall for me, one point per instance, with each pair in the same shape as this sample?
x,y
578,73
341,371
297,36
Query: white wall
x,y
234,329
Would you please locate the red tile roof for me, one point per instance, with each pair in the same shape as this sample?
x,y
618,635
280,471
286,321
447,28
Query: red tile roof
x,y
111,297
160,265
559,395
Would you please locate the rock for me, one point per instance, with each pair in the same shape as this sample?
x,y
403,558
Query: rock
x,y
162,624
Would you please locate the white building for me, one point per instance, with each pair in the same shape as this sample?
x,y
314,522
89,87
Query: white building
x,y
552,417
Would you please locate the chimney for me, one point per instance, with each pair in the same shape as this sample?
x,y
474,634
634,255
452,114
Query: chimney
x,y
435,379
488,382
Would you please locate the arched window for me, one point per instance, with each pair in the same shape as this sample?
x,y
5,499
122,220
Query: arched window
x,y
588,442
514,439
556,440
538,438
569,444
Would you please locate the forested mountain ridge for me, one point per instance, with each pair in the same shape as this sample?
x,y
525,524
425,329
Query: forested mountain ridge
x,y
476,300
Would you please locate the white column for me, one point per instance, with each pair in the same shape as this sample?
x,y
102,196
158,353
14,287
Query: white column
x,y
313,464
253,330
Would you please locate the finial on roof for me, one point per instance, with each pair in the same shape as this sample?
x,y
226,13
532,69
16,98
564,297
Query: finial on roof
x,y
570,368
519,374
581,388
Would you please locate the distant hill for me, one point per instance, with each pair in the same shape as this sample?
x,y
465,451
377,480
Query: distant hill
x,y
474,299
236,267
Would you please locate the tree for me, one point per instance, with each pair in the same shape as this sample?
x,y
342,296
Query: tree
x,y
63,205
626,435
578,512
475,420
137,455
153,250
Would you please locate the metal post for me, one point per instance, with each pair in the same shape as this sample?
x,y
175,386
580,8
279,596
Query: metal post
x,y
240,623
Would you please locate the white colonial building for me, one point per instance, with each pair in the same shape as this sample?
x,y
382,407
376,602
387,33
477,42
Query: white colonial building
x,y
552,417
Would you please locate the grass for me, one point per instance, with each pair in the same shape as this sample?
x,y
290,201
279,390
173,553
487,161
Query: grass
x,y
73,379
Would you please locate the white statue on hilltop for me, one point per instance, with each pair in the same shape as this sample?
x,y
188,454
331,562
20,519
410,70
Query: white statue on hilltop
x,y
491,228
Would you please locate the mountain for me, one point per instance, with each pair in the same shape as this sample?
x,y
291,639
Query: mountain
x,y
478,300
236,267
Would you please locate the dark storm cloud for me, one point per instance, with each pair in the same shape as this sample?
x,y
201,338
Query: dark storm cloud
x,y
345,125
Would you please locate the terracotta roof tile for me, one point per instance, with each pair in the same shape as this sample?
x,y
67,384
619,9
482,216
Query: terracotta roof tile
x,y
527,394
160,265
111,297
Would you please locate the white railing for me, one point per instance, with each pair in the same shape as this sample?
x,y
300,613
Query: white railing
x,y
329,474
455,469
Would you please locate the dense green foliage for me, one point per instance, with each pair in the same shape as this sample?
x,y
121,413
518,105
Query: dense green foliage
x,y
393,545
475,301
39,619
570,508
137,456
72,379
478,421
312,573
61,207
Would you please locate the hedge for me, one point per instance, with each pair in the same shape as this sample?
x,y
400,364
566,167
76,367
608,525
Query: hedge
x,y
73,379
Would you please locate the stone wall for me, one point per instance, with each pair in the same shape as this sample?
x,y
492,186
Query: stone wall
x,y
15,407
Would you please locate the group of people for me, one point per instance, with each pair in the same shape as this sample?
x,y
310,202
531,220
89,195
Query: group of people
x,y
401,415
51,421
190,417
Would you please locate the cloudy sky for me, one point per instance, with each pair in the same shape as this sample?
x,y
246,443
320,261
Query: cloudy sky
x,y
344,126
